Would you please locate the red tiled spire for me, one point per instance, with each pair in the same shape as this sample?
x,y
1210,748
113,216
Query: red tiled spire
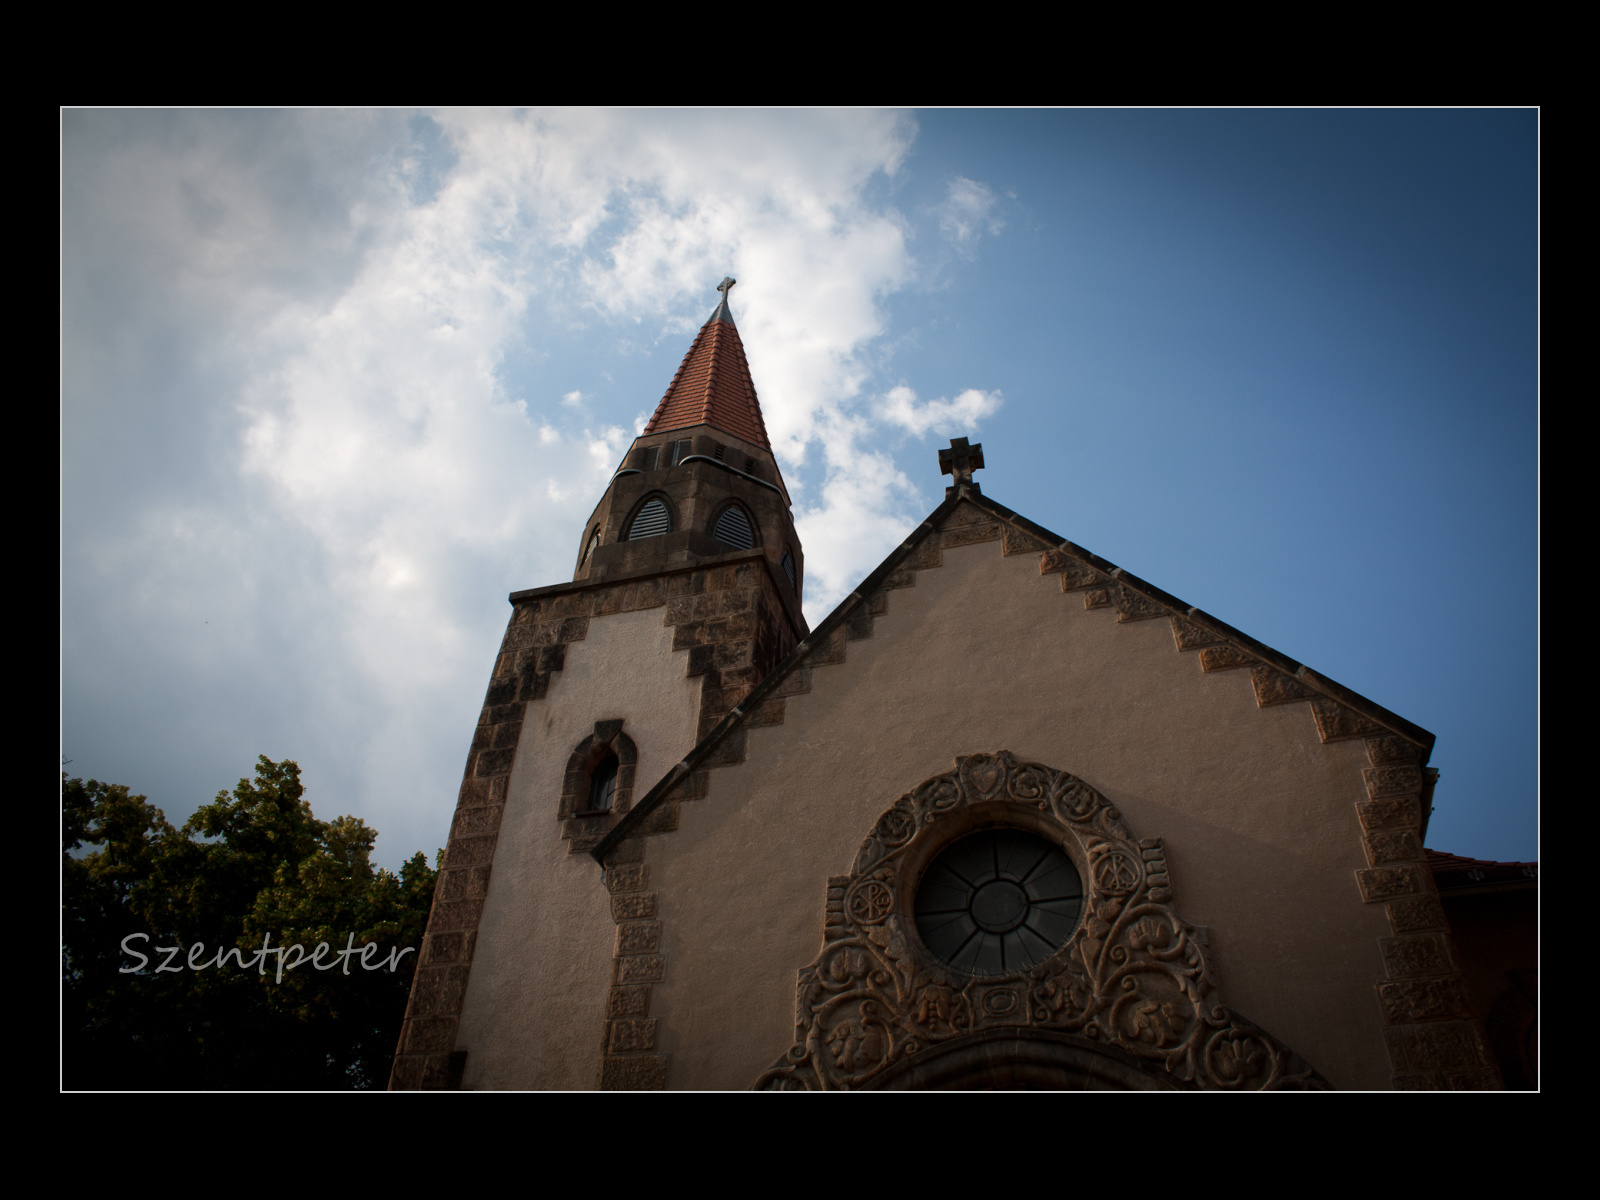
x,y
713,386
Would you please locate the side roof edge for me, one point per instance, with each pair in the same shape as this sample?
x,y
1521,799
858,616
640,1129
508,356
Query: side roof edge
x,y
971,493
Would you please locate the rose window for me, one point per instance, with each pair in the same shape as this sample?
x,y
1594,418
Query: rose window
x,y
998,901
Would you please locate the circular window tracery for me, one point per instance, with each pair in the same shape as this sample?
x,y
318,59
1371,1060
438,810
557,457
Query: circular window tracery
x,y
998,901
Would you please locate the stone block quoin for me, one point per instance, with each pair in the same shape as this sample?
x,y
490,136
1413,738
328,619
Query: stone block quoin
x,y
629,1060
1433,1039
733,623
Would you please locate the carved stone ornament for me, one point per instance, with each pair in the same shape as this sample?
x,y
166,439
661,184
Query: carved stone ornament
x,y
1130,990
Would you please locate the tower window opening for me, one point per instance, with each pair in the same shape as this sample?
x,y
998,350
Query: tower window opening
x,y
653,521
680,451
788,569
597,783
650,458
720,453
733,528
603,785
594,540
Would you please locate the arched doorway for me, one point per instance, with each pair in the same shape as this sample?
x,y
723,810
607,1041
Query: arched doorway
x,y
1021,1060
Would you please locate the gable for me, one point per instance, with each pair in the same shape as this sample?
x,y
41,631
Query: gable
x,y
984,633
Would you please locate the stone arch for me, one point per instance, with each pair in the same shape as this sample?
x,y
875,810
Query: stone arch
x,y
584,829
1025,1060
1129,997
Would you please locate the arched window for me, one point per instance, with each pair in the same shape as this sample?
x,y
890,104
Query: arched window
x,y
597,787
733,528
651,521
603,785
788,569
594,540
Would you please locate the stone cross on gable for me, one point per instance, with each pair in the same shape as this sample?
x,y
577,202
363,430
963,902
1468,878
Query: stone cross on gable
x,y
726,286
961,460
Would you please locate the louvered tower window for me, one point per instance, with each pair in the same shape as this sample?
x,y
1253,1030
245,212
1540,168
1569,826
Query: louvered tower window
x,y
733,527
652,521
589,549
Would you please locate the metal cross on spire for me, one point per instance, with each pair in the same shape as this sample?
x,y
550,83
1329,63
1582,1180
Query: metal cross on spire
x,y
961,460
725,287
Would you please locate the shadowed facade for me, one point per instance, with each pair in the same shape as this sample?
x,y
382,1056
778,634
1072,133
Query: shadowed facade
x,y
1009,817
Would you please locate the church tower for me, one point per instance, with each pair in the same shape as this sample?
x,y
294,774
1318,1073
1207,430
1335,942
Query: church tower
x,y
701,481
685,594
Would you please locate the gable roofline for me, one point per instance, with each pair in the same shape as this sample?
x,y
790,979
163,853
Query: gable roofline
x,y
1051,542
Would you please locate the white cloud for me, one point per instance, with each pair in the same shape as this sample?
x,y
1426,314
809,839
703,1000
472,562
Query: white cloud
x,y
867,508
960,415
520,215
368,476
968,210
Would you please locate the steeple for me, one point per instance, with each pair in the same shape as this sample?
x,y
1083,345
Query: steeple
x,y
713,386
700,486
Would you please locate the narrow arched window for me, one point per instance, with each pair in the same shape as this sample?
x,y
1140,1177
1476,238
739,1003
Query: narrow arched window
x,y
597,785
653,520
733,528
603,785
788,569
594,541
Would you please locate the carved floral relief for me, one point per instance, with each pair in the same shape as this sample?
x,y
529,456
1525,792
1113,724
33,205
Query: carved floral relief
x,y
1132,975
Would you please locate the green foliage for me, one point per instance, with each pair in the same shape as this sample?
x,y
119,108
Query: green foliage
x,y
253,863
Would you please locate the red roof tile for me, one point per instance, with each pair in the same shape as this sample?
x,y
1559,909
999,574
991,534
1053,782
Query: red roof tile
x,y
713,387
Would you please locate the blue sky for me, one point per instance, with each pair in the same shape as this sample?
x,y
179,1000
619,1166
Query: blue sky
x,y
335,383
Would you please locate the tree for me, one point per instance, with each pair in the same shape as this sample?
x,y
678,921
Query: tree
x,y
253,868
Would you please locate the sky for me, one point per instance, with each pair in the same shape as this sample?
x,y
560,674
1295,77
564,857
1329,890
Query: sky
x,y
334,383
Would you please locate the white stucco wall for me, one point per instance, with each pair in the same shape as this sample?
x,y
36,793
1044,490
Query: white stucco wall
x,y
535,1001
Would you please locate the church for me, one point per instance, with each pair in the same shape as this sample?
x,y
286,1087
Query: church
x,y
1008,817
